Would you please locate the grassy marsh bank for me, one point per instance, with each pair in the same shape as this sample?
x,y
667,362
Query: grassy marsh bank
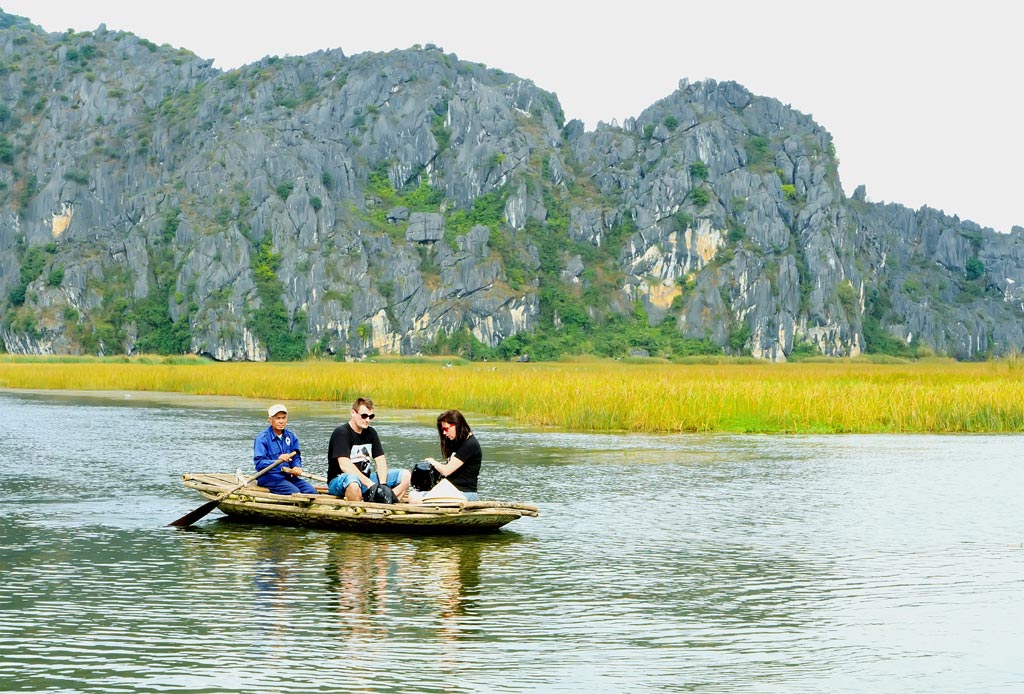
x,y
823,397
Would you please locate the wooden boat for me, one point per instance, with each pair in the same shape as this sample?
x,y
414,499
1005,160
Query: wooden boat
x,y
322,510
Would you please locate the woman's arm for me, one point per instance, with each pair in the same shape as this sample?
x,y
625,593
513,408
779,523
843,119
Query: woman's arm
x,y
448,468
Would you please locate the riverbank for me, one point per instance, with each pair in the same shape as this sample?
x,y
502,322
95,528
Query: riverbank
x,y
837,396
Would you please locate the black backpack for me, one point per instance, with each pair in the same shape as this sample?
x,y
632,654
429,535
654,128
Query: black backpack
x,y
424,477
380,494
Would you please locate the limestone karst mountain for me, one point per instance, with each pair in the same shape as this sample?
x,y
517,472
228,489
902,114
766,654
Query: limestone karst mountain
x,y
410,201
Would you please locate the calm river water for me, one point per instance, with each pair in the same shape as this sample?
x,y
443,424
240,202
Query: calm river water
x,y
658,563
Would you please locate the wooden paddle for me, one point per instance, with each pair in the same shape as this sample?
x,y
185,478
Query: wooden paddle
x,y
313,476
192,516
321,488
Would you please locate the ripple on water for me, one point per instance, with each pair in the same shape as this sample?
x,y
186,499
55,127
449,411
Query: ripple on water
x,y
658,564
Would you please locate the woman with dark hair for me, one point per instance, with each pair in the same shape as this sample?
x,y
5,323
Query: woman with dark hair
x,y
461,452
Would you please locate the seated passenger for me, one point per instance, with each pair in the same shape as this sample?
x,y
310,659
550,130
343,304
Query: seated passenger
x,y
355,457
461,452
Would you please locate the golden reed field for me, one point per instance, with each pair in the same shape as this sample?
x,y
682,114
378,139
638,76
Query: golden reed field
x,y
836,396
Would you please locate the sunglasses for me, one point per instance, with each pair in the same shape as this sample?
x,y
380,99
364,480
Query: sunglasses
x,y
367,415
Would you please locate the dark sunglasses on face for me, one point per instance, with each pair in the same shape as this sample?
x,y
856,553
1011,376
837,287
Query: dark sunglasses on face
x,y
367,415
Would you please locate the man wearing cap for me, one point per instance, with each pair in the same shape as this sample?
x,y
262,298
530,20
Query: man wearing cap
x,y
277,443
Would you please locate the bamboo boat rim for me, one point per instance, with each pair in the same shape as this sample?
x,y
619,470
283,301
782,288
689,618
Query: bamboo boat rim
x,y
210,484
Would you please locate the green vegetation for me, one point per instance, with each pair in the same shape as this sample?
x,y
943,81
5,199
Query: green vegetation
x,y
32,264
158,333
284,190
461,343
700,197
79,177
739,335
270,323
759,153
681,221
803,350
181,108
423,198
975,284
56,277
974,268
847,295
876,338
442,135
736,233
488,210
615,336
103,330
6,150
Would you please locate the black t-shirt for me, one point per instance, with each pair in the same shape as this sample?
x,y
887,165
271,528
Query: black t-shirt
x,y
360,448
466,476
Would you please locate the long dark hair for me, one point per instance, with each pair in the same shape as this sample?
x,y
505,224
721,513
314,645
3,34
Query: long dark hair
x,y
462,431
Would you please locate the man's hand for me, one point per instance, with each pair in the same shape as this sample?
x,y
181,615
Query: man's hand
x,y
286,458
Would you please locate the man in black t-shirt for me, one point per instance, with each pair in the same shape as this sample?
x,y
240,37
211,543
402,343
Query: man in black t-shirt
x,y
355,458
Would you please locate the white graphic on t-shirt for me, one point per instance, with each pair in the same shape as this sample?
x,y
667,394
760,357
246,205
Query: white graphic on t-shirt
x,y
361,457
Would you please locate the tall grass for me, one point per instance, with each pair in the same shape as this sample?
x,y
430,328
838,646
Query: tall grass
x,y
839,396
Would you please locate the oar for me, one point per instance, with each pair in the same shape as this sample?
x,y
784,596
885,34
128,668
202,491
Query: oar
x,y
191,517
312,476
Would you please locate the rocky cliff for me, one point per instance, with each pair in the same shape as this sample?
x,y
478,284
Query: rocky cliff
x,y
410,202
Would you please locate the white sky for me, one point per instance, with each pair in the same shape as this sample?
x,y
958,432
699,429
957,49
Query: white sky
x,y
923,101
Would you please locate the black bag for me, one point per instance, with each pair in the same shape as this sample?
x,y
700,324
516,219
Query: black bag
x,y
380,494
424,477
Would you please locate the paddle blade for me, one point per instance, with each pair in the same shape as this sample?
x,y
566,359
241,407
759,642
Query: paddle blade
x,y
191,517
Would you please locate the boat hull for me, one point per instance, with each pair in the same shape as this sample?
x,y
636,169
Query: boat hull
x,y
257,505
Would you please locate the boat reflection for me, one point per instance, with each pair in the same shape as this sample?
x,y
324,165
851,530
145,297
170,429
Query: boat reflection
x,y
359,590
423,587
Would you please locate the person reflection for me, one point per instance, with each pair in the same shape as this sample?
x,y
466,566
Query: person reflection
x,y
274,558
377,580
452,568
362,572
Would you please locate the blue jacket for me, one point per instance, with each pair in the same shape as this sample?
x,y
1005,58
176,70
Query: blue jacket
x,y
267,447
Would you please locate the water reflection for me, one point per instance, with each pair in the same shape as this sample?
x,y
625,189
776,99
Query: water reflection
x,y
360,572
659,563
430,583
275,579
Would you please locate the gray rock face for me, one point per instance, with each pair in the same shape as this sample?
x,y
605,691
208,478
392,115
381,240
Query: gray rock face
x,y
380,202
424,227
